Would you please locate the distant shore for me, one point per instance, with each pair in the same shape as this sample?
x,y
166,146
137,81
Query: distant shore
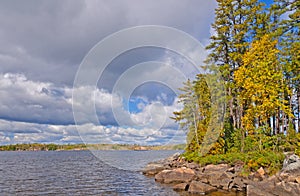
x,y
66,147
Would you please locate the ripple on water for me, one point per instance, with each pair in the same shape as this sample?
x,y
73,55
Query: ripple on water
x,y
78,173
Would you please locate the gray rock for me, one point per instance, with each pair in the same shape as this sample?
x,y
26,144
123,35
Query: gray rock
x,y
291,163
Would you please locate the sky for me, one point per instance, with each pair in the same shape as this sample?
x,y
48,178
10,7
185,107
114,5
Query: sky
x,y
42,45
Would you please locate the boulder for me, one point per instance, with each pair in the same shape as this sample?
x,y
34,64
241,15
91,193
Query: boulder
x,y
181,187
238,184
297,179
216,168
154,168
160,177
192,166
216,175
202,177
291,163
253,190
177,175
221,181
287,188
270,188
197,187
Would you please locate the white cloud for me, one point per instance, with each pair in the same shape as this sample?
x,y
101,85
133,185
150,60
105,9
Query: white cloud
x,y
20,132
45,103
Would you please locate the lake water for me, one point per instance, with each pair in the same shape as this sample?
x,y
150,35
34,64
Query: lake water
x,y
79,173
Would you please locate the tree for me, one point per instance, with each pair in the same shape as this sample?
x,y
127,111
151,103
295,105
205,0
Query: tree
x,y
236,23
194,117
261,82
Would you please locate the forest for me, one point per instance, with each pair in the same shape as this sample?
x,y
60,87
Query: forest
x,y
255,50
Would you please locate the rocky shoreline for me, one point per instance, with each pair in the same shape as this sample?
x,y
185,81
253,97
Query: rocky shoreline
x,y
190,178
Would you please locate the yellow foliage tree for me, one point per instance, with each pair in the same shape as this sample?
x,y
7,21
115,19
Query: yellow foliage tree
x,y
260,80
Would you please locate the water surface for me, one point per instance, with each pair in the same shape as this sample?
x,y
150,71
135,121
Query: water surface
x,y
79,173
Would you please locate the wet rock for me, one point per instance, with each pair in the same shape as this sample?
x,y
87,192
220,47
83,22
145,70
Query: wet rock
x,y
197,187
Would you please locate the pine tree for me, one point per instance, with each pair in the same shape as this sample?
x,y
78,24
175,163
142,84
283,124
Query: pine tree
x,y
195,115
237,22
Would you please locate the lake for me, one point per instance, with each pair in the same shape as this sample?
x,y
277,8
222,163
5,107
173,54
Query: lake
x,y
79,173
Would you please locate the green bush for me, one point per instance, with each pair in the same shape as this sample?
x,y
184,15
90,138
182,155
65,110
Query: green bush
x,y
253,160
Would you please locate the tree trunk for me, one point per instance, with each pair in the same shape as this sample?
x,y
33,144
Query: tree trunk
x,y
277,129
298,98
231,109
196,130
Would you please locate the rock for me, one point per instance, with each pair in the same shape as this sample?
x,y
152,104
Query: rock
x,y
271,187
287,188
291,163
197,187
216,176
173,157
255,191
297,179
154,168
238,166
181,187
216,168
238,183
160,177
177,175
261,172
203,177
221,181
192,165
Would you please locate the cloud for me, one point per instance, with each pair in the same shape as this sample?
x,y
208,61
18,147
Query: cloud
x,y
33,101
48,39
15,132
42,112
42,44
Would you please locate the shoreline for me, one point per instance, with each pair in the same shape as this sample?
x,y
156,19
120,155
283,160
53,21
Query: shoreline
x,y
67,147
190,178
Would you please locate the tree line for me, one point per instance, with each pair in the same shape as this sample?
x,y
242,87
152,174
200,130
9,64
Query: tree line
x,y
256,50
